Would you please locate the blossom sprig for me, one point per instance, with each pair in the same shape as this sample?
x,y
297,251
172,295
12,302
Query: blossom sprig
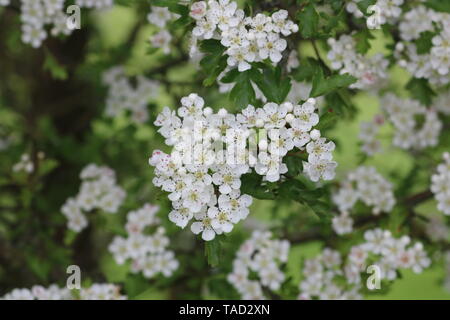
x,y
371,72
247,39
43,17
384,11
148,252
440,185
441,102
25,164
98,190
124,97
97,291
323,275
434,64
203,179
403,113
160,17
262,256
368,135
436,229
367,185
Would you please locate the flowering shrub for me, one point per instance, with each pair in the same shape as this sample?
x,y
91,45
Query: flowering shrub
x,y
266,149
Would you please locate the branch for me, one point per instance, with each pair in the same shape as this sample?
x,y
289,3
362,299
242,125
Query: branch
x,y
418,198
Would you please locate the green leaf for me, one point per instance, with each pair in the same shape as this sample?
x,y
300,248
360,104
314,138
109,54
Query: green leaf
x,y
323,210
363,5
230,76
40,267
69,237
212,251
439,5
112,271
341,102
424,43
251,184
57,71
420,90
308,20
362,41
271,82
294,165
298,191
243,93
327,120
307,69
214,62
47,166
322,86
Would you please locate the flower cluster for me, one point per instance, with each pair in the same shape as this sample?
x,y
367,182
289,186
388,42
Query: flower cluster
x,y
384,11
371,72
404,115
39,15
323,275
123,97
368,135
441,103
203,179
436,229
342,223
160,16
440,185
367,185
259,257
97,291
319,277
98,190
381,249
435,64
25,164
148,253
247,39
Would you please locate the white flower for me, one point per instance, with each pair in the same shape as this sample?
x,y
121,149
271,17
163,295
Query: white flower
x,y
271,47
376,240
227,180
204,226
320,169
33,34
166,263
342,224
204,28
262,255
162,40
159,16
198,10
240,57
